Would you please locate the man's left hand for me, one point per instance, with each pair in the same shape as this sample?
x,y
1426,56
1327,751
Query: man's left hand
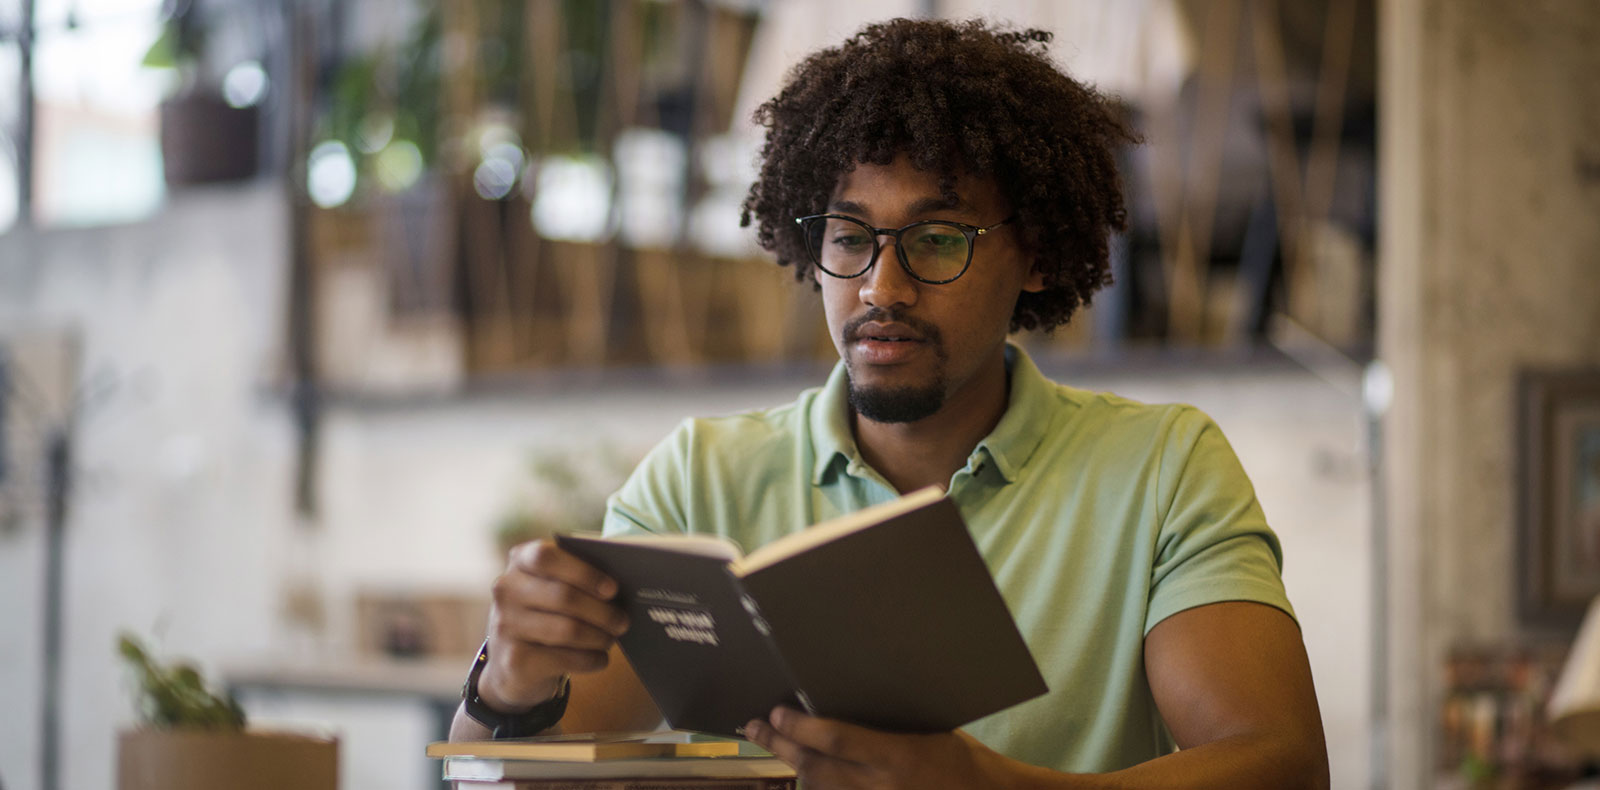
x,y
833,755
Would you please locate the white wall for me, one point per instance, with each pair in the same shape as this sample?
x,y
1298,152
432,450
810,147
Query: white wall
x,y
182,463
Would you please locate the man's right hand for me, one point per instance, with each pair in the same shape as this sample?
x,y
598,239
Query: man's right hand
x,y
551,614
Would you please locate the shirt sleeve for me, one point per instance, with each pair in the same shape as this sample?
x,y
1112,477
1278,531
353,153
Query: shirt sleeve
x,y
1214,543
651,500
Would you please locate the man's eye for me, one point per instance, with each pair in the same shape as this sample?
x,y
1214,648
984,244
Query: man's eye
x,y
851,241
940,243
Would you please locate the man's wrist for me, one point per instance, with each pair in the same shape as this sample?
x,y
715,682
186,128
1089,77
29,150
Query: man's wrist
x,y
510,721
489,693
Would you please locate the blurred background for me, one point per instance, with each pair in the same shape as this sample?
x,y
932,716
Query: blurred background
x,y
308,310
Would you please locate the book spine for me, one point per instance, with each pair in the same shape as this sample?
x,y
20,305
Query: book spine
x,y
789,783
765,629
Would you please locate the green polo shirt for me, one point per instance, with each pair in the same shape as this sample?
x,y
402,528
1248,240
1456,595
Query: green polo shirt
x,y
1098,516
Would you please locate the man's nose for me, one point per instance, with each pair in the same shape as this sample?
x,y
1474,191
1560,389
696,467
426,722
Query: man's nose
x,y
888,283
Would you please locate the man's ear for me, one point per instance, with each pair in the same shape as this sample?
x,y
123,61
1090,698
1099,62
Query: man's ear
x,y
1036,280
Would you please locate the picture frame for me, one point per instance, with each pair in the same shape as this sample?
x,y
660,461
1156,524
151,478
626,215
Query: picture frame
x,y
1558,493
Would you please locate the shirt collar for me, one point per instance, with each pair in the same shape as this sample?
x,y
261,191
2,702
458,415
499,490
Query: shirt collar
x,y
832,441
1009,445
1027,419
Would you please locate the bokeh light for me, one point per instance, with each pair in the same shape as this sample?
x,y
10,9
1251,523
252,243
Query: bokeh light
x,y
398,165
651,164
574,198
493,179
330,174
496,176
245,85
375,132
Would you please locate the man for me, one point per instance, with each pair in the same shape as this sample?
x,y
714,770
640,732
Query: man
x,y
942,184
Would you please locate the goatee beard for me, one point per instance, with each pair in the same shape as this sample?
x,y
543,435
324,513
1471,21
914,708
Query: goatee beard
x,y
896,404
905,403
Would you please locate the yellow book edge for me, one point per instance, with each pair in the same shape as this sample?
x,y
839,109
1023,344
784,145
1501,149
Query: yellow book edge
x,y
579,751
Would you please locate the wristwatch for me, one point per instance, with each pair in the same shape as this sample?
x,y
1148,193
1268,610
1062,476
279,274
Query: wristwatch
x,y
512,725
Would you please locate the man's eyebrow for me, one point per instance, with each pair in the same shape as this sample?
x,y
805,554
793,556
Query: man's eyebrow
x,y
940,203
923,205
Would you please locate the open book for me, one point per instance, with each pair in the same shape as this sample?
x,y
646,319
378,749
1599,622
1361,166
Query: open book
x,y
886,617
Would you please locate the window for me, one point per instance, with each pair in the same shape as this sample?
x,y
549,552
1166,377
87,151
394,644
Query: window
x,y
96,153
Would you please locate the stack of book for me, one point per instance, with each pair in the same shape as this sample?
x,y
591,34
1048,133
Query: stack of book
x,y
618,761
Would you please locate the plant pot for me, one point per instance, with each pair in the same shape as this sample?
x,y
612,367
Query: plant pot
x,y
204,140
205,760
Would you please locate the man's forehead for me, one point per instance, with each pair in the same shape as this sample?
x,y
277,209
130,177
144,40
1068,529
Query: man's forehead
x,y
917,205
899,186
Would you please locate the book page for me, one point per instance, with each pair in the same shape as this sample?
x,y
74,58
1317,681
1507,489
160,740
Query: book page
x,y
795,543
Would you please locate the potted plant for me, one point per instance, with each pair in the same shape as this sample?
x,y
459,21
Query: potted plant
x,y
204,138
195,739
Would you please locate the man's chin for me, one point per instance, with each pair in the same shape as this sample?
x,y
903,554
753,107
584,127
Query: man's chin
x,y
891,404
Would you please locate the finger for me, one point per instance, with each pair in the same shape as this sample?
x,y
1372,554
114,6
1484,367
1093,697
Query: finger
x,y
829,737
815,769
544,558
762,734
550,660
538,627
517,590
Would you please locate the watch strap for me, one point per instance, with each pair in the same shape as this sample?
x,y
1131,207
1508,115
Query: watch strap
x,y
530,722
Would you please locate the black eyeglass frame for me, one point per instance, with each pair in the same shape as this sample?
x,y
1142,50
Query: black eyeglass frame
x,y
972,232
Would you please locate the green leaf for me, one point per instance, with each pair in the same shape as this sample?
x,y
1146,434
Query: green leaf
x,y
163,54
176,695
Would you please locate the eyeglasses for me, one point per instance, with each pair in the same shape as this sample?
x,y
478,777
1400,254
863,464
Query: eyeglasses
x,y
931,251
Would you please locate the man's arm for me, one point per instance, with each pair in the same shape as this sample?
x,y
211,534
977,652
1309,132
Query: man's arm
x,y
1232,683
1234,686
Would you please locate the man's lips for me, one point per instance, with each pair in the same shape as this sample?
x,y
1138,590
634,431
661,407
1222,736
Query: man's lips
x,y
880,343
884,332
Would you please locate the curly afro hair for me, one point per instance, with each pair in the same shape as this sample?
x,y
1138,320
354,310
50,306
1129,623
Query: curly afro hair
x,y
953,97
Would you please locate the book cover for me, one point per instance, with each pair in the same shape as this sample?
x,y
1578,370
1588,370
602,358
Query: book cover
x,y
695,648
887,617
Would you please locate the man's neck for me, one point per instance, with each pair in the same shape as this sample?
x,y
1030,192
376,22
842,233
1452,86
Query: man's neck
x,y
913,455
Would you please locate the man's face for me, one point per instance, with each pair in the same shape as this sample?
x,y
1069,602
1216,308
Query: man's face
x,y
912,348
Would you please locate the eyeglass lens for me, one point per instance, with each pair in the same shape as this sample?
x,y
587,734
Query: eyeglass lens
x,y
844,247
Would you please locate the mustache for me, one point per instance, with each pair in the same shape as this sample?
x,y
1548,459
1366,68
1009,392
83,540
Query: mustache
x,y
878,315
